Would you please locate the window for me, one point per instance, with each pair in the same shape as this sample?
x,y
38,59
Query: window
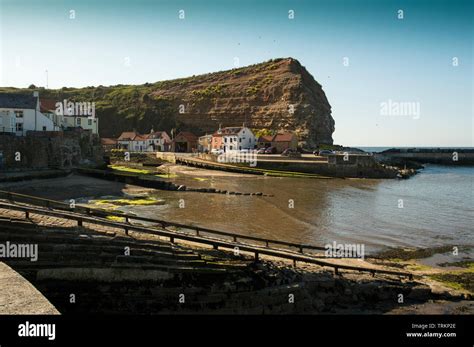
x,y
89,122
19,126
44,128
19,114
78,121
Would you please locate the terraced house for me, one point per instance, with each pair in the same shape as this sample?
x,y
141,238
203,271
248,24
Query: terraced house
x,y
155,141
233,139
20,113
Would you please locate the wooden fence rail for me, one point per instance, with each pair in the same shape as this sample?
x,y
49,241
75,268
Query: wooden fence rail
x,y
22,198
215,243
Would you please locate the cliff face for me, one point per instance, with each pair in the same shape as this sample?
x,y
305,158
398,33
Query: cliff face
x,y
276,95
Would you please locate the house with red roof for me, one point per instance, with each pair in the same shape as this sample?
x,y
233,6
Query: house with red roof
x,y
184,142
281,141
155,141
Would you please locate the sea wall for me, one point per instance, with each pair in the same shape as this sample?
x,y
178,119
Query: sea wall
x,y
48,150
442,156
353,166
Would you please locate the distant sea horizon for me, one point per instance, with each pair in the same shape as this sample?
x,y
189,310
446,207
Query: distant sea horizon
x,y
378,149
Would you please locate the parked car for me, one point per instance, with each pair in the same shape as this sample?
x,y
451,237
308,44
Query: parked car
x,y
261,151
290,153
270,150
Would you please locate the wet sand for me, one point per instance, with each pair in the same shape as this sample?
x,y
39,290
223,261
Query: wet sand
x,y
71,187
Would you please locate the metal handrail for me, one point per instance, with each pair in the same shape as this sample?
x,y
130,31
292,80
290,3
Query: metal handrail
x,y
257,250
97,212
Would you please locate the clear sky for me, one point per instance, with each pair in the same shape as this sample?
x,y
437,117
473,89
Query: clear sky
x,y
407,60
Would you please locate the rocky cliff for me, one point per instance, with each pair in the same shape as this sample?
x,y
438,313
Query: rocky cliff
x,y
279,94
276,95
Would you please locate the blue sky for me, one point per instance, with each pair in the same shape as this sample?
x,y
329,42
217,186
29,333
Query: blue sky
x,y
133,42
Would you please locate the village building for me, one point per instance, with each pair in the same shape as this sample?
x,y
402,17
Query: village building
x,y
67,118
155,141
83,121
20,113
132,141
234,139
158,141
217,142
205,143
108,143
124,141
48,108
280,141
184,142
265,141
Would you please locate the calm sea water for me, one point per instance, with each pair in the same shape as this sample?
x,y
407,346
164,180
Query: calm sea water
x,y
435,207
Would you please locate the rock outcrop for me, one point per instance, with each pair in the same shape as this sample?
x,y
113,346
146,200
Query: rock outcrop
x,y
276,95
279,94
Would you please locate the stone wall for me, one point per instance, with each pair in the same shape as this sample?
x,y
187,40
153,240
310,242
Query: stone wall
x,y
48,150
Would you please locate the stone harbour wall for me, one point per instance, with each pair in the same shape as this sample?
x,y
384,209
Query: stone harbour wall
x,y
48,150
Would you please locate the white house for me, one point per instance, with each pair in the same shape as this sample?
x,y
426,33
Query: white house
x,y
70,114
237,138
20,113
153,142
157,141
83,121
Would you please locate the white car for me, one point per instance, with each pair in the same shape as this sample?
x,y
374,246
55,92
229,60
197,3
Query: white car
x,y
217,151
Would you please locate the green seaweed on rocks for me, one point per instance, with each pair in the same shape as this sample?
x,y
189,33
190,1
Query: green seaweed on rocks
x,y
127,202
130,169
